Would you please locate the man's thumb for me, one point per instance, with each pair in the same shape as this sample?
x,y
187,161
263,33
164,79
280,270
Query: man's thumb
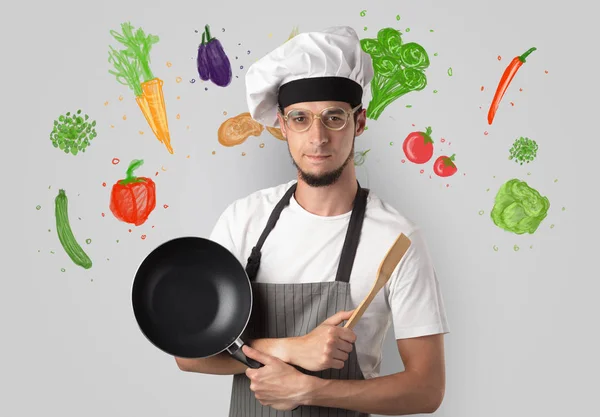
x,y
340,316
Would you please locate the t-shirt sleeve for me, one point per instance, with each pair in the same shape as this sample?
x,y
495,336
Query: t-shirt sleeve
x,y
223,230
415,296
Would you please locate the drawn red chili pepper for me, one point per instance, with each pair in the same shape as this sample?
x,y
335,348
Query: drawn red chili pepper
x,y
444,166
132,199
507,76
418,146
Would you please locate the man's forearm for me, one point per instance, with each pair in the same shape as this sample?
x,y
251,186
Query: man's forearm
x,y
401,393
225,364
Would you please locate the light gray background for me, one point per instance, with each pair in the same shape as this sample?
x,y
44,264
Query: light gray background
x,y
523,330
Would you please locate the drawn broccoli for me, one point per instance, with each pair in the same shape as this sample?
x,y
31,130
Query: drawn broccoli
x,y
519,208
398,69
523,150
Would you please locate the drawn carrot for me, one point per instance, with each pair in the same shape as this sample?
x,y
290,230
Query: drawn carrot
x,y
507,76
132,68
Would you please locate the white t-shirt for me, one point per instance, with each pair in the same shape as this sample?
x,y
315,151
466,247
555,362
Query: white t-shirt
x,y
304,247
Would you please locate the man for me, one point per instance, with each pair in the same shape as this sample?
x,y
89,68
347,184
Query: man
x,y
313,247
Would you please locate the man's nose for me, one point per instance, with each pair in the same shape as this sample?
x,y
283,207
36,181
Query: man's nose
x,y
318,132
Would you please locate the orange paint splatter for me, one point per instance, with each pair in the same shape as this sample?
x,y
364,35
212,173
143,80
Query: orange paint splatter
x,y
512,104
166,206
178,97
112,126
124,117
156,173
143,237
213,152
224,113
520,89
129,230
141,132
163,168
546,71
104,184
188,127
178,79
178,116
481,88
243,153
106,103
115,161
120,98
169,64
188,157
499,57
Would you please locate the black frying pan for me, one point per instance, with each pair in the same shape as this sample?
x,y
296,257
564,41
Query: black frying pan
x,y
192,299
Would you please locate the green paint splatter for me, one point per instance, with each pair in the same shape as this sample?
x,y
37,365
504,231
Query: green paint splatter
x,y
481,212
516,248
409,106
117,240
551,226
435,91
564,208
88,241
407,29
391,143
450,71
435,54
487,189
363,13
63,269
365,28
366,127
38,207
519,208
431,30
397,17
52,252
556,180
495,248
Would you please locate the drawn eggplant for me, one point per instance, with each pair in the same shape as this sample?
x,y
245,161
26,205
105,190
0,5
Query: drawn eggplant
x,y
212,61
201,61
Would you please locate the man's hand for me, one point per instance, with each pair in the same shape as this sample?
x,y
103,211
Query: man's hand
x,y
327,346
277,384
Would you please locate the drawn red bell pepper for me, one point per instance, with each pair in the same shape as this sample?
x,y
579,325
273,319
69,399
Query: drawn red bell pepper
x,y
132,199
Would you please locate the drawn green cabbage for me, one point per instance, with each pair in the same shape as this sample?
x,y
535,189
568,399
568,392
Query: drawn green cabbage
x,y
519,208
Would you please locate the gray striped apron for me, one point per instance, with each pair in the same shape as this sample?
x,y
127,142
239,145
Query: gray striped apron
x,y
290,310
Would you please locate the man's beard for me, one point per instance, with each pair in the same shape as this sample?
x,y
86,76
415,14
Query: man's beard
x,y
328,178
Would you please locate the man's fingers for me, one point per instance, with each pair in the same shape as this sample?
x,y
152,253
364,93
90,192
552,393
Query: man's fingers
x,y
347,335
344,346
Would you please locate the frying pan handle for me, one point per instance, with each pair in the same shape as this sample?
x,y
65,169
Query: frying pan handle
x,y
236,351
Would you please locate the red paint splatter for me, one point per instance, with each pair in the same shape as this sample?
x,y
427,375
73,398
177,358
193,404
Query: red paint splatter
x,y
143,237
129,230
104,184
442,140
422,171
499,57
115,161
520,89
447,185
156,173
481,88
153,226
546,71
166,206
403,161
413,124
512,104
102,214
485,133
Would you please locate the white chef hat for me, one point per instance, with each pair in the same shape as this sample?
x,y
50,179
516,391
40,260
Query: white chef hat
x,y
328,65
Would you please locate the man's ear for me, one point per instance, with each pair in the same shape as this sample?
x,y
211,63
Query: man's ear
x,y
282,125
361,122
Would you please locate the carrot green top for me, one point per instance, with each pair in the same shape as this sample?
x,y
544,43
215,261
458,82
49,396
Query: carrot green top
x,y
132,64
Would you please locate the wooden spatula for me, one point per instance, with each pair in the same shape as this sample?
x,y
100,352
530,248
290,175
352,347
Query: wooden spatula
x,y
388,264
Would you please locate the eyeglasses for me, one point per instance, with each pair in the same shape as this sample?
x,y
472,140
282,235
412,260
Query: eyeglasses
x,y
333,118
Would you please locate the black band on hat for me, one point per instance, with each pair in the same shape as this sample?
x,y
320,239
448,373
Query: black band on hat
x,y
320,89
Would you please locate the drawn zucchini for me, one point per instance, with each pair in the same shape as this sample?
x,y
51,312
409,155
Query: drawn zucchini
x,y
65,234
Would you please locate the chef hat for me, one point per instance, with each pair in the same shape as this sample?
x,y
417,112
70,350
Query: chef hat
x,y
329,65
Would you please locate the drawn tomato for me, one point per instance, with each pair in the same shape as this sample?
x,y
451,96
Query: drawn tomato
x,y
132,199
444,166
418,146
